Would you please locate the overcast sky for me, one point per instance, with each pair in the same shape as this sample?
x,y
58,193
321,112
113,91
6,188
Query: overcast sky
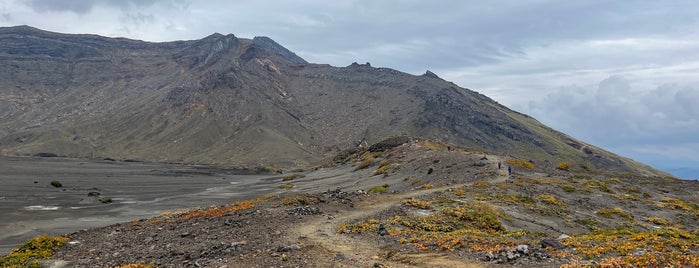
x,y
623,75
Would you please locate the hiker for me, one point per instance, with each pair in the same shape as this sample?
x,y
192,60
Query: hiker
x,y
509,170
499,165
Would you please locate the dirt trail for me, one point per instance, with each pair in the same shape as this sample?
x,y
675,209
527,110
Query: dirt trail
x,y
323,232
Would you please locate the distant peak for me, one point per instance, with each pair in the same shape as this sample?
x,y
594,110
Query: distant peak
x,y
268,44
355,64
22,29
428,73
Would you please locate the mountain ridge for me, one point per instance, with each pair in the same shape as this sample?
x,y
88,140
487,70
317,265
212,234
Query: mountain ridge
x,y
226,100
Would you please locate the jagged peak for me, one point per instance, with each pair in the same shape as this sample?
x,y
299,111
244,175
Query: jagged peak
x,y
428,73
270,45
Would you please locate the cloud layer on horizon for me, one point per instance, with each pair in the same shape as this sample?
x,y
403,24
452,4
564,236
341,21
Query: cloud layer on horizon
x,y
658,125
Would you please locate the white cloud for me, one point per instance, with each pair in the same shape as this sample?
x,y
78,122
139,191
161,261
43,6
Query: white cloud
x,y
615,114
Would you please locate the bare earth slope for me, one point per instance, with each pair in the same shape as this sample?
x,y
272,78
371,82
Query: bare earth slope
x,y
245,102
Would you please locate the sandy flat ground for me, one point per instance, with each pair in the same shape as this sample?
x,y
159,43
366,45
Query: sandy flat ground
x,y
30,206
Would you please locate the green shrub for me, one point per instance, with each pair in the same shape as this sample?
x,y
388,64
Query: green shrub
x,y
568,188
293,176
28,254
365,164
417,203
378,189
478,215
384,167
521,163
550,199
607,213
286,186
563,166
56,183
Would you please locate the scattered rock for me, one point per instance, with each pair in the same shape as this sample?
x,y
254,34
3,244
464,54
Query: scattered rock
x,y
340,256
382,230
523,249
305,210
489,256
231,222
512,255
550,242
292,247
56,184
638,252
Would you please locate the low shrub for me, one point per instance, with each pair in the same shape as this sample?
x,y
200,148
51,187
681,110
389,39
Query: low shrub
x,y
384,167
417,203
568,188
521,163
29,253
364,164
658,221
550,199
607,213
286,186
426,186
563,166
293,176
378,189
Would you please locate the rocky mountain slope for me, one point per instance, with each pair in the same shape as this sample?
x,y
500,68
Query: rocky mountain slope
x,y
245,102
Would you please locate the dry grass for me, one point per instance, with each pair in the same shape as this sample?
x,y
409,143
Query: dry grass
x,y
520,163
218,211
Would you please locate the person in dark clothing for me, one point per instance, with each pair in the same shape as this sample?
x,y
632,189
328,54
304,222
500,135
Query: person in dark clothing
x,y
509,170
499,165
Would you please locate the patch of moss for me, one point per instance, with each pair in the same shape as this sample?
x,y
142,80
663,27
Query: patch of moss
x,y
378,189
417,203
426,186
607,213
550,199
384,167
563,166
29,253
364,164
521,163
568,188
293,176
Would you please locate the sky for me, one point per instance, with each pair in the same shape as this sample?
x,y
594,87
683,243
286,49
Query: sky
x,y
622,75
